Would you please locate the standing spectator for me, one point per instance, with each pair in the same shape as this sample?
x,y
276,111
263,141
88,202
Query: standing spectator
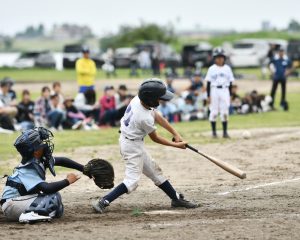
x,y
144,60
155,61
42,108
25,116
86,71
281,68
108,111
56,89
56,114
86,103
121,100
7,109
108,66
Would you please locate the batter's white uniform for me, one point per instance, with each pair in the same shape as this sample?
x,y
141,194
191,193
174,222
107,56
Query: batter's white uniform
x,y
137,123
220,78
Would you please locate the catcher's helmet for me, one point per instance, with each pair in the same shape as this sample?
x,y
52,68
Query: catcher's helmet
x,y
34,139
218,51
152,90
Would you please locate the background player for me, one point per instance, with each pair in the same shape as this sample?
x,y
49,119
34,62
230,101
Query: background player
x,y
219,79
27,196
138,122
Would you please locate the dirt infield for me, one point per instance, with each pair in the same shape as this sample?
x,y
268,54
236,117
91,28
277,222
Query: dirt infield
x,y
263,206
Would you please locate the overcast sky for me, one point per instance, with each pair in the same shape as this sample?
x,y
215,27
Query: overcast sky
x,y
107,15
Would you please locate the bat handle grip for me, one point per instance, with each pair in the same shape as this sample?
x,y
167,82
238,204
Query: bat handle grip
x,y
192,148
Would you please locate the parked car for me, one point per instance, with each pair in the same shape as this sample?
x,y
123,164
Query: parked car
x,y
73,52
167,55
249,52
43,59
122,57
193,53
293,51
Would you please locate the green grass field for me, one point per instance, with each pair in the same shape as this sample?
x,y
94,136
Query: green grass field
x,y
50,75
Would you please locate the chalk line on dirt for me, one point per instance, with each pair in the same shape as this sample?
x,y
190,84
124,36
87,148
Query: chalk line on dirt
x,y
260,186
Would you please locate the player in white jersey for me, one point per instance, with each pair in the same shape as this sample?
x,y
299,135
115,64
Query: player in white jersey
x,y
138,122
219,79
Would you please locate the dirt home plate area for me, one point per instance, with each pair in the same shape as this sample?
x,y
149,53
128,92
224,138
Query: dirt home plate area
x,y
263,206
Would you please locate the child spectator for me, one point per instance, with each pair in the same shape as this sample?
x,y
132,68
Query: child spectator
x,y
86,103
25,116
56,114
7,109
122,100
42,108
236,101
56,89
75,119
108,112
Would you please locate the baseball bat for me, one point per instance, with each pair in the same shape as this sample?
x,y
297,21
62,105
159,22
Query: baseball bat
x,y
226,166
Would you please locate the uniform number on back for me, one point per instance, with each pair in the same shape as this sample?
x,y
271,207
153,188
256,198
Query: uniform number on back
x,y
127,116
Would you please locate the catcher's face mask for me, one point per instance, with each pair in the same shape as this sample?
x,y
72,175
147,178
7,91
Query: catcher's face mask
x,y
48,147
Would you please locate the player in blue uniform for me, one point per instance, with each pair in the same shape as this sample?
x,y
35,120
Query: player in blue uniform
x,y
27,196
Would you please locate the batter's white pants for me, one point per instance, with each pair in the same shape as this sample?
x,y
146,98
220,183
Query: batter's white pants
x,y
138,161
219,104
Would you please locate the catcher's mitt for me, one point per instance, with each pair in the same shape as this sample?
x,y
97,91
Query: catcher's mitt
x,y
101,171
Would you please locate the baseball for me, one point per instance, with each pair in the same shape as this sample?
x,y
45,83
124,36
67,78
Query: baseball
x,y
246,134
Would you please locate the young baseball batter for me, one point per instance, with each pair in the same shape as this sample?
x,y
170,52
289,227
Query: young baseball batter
x,y
138,122
219,79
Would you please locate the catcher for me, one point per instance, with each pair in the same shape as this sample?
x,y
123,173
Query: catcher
x,y
27,197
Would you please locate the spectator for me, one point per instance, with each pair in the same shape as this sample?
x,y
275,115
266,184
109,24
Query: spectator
x,y
122,100
75,119
196,83
281,68
167,109
235,101
86,103
56,89
86,71
155,61
25,116
7,109
11,92
189,111
169,81
108,112
56,114
108,66
42,108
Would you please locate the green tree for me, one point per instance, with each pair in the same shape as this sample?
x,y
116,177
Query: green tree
x,y
294,26
128,36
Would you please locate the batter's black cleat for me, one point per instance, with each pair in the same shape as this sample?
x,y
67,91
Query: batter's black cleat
x,y
225,135
181,202
100,205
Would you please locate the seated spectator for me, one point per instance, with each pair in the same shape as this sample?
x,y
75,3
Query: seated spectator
x,y
56,89
11,92
167,109
56,114
42,108
25,116
122,99
196,84
169,81
236,101
189,112
86,103
108,112
75,119
7,109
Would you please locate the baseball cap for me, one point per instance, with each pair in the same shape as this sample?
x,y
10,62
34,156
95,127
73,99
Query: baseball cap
x,y
85,49
110,87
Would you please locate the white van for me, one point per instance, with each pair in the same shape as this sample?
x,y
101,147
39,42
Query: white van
x,y
249,52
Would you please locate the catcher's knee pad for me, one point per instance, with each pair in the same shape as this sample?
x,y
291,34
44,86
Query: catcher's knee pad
x,y
48,205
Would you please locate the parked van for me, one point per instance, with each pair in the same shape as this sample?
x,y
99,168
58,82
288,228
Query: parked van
x,y
249,52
